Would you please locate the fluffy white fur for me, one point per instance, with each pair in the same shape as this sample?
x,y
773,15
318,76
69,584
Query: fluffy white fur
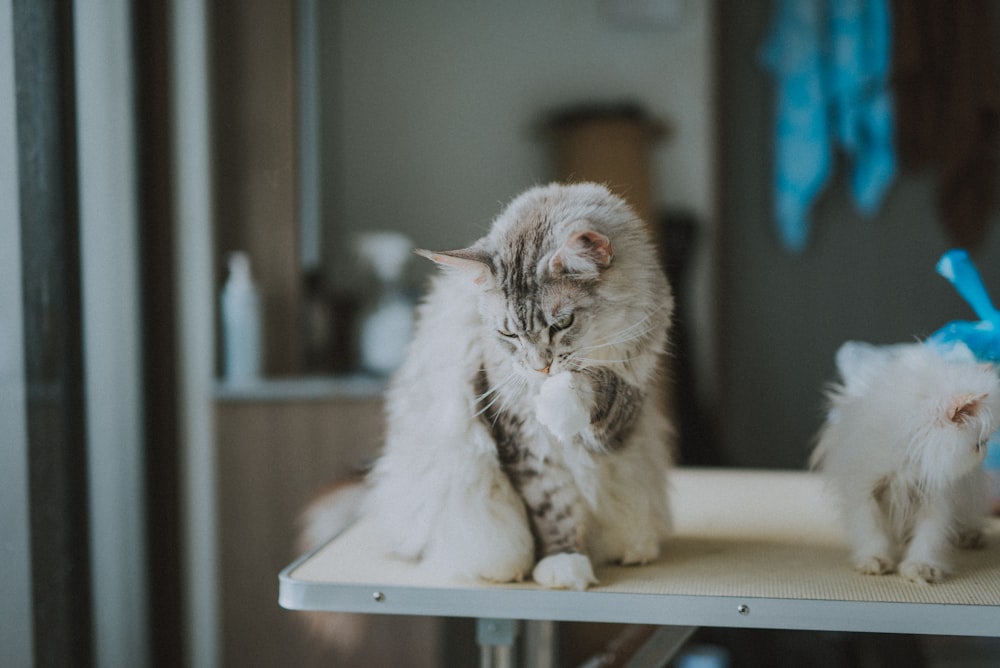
x,y
902,446
439,493
560,407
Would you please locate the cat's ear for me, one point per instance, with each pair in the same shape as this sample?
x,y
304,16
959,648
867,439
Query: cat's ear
x,y
963,407
477,264
586,253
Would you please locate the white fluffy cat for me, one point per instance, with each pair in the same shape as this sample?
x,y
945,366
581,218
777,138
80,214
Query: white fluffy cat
x,y
526,435
903,446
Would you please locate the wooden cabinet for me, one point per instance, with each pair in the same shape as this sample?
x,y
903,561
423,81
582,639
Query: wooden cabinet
x,y
278,446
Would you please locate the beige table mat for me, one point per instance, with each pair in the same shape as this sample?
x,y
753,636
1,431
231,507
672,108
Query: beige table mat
x,y
739,533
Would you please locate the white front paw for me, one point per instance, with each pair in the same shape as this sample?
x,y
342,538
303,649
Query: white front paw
x,y
921,573
565,571
874,565
560,408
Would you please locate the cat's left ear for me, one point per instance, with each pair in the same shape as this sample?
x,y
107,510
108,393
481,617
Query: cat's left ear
x,y
477,264
963,407
586,254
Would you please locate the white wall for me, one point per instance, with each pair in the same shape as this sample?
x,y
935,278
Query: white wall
x,y
432,107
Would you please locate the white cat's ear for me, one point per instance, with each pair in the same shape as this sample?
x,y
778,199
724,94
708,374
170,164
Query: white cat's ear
x,y
586,253
476,264
963,407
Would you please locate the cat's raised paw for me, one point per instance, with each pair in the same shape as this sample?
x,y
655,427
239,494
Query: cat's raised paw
x,y
559,407
874,565
565,571
920,573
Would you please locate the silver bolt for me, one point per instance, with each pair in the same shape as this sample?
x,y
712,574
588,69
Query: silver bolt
x,y
378,596
743,609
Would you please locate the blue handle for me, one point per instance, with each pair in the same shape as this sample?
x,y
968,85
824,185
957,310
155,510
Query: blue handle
x,y
957,267
982,336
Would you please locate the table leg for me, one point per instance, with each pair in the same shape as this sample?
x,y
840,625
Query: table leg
x,y
496,642
540,643
642,646
661,647
496,639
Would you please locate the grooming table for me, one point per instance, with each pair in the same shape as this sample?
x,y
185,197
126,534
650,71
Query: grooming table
x,y
753,549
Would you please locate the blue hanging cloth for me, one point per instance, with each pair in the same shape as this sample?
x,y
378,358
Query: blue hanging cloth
x,y
860,63
830,60
802,155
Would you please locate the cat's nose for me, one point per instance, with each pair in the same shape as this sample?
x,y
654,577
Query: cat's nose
x,y
544,370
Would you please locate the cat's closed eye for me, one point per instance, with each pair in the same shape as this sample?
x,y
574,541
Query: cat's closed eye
x,y
507,334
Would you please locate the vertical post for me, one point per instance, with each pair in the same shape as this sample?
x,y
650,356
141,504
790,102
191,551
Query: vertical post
x,y
195,287
17,633
52,331
309,147
496,642
540,643
109,279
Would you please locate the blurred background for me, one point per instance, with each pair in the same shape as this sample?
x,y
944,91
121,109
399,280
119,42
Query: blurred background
x,y
152,477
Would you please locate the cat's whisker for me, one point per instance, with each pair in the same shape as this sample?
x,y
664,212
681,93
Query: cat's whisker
x,y
636,330
521,382
486,406
495,390
579,361
497,393
623,336
493,369
513,382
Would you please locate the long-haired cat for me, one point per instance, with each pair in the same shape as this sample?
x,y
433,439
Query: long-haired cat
x,y
525,431
903,446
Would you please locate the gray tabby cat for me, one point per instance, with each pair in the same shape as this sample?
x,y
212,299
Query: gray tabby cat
x,y
526,433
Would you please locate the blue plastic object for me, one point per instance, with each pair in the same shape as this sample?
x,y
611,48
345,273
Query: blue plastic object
x,y
982,336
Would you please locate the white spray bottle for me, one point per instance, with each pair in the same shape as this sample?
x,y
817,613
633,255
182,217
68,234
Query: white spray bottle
x,y
241,335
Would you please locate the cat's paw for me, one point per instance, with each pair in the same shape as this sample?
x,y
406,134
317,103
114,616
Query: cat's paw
x,y
874,565
921,573
559,407
565,571
637,555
